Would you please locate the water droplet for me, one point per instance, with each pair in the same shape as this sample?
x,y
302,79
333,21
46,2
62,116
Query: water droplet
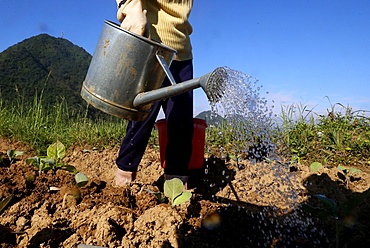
x,y
236,97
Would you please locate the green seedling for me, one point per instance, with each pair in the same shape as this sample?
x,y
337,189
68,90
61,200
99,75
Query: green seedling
x,y
315,166
157,194
81,179
88,151
297,155
12,154
53,161
174,189
347,173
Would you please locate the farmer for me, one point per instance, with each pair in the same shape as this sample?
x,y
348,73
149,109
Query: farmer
x,y
165,21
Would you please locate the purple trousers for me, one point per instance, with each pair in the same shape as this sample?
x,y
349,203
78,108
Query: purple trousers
x,y
179,117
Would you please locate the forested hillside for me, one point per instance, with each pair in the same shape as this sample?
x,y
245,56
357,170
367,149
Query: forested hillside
x,y
45,64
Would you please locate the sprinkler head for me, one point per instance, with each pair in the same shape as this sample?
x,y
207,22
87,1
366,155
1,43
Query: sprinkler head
x,y
214,84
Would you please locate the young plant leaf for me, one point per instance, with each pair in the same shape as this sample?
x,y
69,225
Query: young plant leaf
x,y
42,163
173,188
183,197
157,194
49,161
33,161
354,170
12,154
341,167
81,179
69,168
315,166
56,151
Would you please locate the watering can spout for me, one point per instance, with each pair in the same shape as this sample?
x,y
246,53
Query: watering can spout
x,y
212,83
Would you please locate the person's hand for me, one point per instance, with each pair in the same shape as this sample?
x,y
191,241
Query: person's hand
x,y
133,17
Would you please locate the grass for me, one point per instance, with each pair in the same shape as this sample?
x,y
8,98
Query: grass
x,y
39,126
341,137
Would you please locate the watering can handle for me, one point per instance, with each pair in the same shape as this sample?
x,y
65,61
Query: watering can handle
x,y
166,68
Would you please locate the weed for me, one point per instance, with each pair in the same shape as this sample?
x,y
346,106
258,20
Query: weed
x,y
347,173
39,124
340,137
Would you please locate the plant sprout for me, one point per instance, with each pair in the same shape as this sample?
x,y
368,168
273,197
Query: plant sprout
x,y
174,189
53,161
315,166
12,154
347,173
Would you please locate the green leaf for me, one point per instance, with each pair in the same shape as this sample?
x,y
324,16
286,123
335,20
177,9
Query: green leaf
x,y
342,168
315,166
56,151
19,153
354,170
296,158
44,166
69,168
12,154
184,197
233,157
292,150
33,160
81,179
173,188
5,202
49,161
42,163
157,194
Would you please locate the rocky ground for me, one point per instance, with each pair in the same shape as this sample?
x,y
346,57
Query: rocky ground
x,y
233,205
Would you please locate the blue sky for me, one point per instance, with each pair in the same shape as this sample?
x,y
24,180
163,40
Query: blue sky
x,y
300,50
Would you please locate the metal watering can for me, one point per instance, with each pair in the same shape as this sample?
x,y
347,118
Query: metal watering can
x,y
127,70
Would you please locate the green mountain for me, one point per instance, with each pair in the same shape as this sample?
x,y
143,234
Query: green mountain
x,y
211,118
45,64
55,68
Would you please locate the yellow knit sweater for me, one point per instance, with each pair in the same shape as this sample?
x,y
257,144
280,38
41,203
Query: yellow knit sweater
x,y
168,20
